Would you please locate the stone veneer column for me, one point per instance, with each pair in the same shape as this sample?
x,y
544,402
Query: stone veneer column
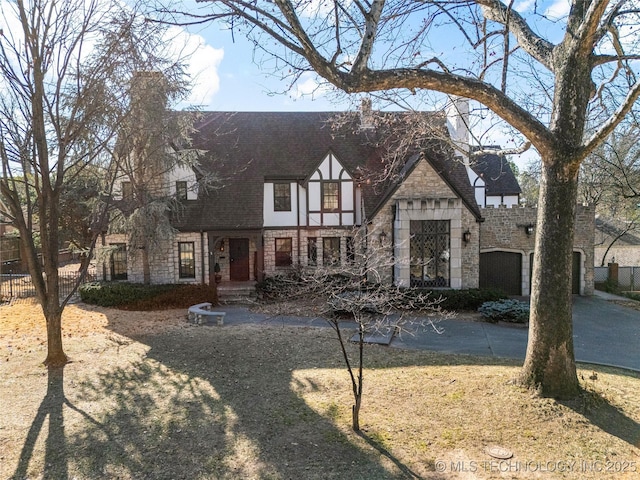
x,y
427,209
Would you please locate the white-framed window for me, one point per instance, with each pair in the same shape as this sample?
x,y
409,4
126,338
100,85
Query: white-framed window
x,y
330,196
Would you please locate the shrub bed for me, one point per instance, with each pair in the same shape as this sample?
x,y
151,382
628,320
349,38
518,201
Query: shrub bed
x,y
459,300
135,296
506,310
289,285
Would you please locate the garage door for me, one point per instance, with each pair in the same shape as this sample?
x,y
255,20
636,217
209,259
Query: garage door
x,y
501,270
575,273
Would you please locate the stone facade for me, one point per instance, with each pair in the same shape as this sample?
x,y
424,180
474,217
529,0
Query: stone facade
x,y
470,251
223,260
164,262
504,229
425,196
300,243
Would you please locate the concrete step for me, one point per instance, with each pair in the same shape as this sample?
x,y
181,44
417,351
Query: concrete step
x,y
237,292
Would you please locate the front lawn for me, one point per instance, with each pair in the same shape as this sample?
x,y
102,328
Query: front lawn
x,y
149,396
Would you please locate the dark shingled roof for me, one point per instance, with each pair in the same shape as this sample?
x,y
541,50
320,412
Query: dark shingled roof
x,y
496,172
245,148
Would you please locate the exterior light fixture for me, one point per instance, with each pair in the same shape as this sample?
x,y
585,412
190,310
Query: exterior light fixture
x,y
383,236
466,236
221,248
528,229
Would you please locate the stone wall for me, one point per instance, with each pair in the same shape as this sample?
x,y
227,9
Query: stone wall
x,y
503,229
222,258
300,242
164,262
425,196
470,251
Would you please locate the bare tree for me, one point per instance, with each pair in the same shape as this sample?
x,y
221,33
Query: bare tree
x,y
152,143
65,71
610,180
355,295
547,88
529,180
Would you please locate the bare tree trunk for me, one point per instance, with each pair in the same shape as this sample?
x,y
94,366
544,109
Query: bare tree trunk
x,y
55,353
357,388
355,414
549,364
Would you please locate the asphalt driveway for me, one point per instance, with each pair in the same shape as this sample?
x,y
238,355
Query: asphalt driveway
x,y
604,333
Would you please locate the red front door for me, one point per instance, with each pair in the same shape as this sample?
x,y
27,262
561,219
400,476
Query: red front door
x,y
239,259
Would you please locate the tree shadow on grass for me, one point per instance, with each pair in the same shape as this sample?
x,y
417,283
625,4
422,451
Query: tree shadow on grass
x,y
157,424
386,453
51,408
609,418
205,406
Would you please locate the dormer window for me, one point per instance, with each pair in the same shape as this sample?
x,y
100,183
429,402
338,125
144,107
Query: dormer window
x,y
330,196
282,197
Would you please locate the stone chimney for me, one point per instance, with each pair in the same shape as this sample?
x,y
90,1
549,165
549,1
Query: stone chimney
x,y
149,91
366,115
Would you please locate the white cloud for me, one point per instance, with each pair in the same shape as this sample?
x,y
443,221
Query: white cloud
x,y
308,85
202,67
320,8
559,9
524,5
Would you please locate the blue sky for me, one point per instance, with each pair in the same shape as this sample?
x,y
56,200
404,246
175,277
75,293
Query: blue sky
x,y
227,78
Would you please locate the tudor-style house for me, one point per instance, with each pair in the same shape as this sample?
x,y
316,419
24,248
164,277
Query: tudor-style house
x,y
291,188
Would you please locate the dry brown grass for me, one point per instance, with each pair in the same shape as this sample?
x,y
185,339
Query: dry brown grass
x,y
149,396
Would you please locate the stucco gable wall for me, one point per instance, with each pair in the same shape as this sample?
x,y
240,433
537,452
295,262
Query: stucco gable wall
x,y
623,255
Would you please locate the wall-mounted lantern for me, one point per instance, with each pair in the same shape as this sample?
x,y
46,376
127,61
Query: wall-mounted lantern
x,y
382,236
466,236
528,229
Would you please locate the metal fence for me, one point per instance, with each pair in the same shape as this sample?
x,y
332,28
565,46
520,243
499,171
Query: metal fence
x,y
601,274
18,285
628,277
